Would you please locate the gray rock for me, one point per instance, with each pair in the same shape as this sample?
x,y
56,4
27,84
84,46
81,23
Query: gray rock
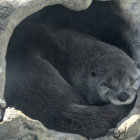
x,y
17,126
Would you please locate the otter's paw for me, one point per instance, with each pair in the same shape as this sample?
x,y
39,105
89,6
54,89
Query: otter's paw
x,y
111,132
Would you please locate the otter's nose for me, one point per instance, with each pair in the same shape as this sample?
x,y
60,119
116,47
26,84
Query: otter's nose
x,y
123,96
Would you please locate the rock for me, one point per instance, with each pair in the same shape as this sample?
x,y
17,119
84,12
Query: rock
x,y
17,126
130,12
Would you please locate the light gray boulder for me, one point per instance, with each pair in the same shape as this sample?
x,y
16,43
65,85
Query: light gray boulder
x,y
129,10
17,126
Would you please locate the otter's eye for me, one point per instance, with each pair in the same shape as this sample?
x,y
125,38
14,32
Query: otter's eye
x,y
105,84
93,73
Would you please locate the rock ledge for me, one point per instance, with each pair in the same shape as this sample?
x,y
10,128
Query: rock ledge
x,y
17,126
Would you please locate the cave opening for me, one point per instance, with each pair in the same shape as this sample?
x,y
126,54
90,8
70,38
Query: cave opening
x,y
98,20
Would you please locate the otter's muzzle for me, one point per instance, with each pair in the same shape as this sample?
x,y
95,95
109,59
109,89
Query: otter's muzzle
x,y
123,96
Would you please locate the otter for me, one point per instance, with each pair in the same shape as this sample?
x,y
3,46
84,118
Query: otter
x,y
71,82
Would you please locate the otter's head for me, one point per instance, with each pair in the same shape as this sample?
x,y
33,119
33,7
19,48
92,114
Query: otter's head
x,y
114,77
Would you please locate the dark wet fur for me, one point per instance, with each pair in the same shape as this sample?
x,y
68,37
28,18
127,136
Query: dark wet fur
x,y
39,84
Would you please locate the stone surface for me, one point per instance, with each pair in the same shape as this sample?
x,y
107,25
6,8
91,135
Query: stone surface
x,y
17,126
130,12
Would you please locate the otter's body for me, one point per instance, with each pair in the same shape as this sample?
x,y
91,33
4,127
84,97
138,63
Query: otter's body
x,y
55,75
